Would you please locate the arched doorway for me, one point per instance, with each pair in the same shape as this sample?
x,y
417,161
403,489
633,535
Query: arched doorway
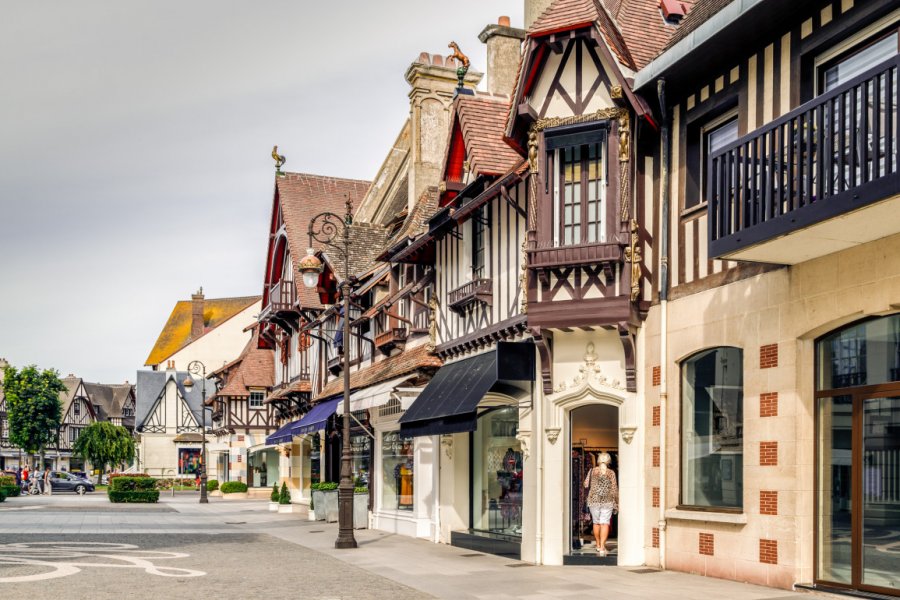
x,y
858,456
594,429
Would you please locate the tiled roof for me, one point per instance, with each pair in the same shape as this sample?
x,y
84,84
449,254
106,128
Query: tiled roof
x,y
389,368
481,118
564,15
176,333
301,385
255,367
700,12
302,196
643,28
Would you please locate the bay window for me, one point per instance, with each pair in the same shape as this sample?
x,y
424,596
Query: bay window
x,y
580,179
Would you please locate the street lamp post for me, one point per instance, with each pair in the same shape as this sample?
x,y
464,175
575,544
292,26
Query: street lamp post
x,y
198,368
333,231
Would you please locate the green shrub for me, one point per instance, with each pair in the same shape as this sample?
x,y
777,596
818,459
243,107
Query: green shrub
x,y
10,491
275,496
145,496
2,496
7,480
328,486
132,484
234,487
285,496
212,485
360,489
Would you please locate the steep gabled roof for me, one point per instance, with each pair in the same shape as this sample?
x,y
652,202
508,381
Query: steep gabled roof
x,y
393,366
150,385
176,333
481,119
566,15
254,368
700,12
300,197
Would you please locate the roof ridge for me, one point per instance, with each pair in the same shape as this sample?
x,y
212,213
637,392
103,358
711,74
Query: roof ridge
x,y
332,177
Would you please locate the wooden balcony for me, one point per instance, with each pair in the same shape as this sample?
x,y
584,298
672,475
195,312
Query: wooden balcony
x,y
395,337
573,256
283,297
820,179
477,290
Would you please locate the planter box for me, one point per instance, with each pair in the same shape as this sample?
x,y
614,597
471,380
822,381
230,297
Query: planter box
x,y
360,511
215,494
311,515
319,503
288,508
236,496
273,506
331,506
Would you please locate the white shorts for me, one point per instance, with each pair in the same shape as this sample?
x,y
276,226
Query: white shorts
x,y
600,515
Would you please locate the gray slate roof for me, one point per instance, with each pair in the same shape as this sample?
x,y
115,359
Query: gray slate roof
x,y
150,385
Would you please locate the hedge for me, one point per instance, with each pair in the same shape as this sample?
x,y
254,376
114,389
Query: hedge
x,y
7,480
212,485
233,487
112,476
2,496
128,484
134,496
325,486
10,490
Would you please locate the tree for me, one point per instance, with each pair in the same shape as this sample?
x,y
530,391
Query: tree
x,y
33,407
104,444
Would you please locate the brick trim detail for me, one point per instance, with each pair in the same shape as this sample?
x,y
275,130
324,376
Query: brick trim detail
x,y
655,497
768,454
657,375
655,456
654,537
707,544
768,502
656,415
768,404
768,552
768,356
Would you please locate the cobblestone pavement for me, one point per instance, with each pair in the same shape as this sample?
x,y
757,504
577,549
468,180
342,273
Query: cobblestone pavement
x,y
82,547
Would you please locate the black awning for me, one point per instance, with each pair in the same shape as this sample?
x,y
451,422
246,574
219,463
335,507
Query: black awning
x,y
449,403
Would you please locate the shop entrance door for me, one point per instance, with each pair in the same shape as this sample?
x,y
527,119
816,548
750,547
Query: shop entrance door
x,y
858,477
594,429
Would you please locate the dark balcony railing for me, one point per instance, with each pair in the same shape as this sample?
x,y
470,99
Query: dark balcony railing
x,y
828,157
574,255
282,296
477,290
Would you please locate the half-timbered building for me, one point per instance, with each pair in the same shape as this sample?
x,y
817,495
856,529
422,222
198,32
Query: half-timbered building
x,y
241,419
773,341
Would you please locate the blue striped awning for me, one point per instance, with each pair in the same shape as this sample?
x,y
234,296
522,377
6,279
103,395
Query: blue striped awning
x,y
284,434
315,419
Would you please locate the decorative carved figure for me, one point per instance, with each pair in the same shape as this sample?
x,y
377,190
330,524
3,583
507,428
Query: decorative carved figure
x,y
432,324
463,61
633,255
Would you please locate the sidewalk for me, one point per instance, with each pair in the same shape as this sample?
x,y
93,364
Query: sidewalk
x,y
448,572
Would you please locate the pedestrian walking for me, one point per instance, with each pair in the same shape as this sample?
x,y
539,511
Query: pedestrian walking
x,y
603,499
19,477
25,478
47,488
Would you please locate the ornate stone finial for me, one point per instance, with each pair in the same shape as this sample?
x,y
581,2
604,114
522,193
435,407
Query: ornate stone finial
x,y
279,160
463,61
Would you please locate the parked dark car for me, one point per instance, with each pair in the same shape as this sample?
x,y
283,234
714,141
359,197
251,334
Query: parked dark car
x,y
61,481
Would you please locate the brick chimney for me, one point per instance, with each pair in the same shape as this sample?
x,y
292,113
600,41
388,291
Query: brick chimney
x,y
504,49
197,314
433,81
533,9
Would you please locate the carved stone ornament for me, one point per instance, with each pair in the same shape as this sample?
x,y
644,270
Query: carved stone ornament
x,y
627,433
432,324
633,255
447,445
589,372
523,281
552,433
615,92
524,438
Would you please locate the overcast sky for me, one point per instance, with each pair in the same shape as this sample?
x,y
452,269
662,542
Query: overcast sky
x,y
135,142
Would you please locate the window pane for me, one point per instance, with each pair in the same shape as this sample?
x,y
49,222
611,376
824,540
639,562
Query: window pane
x,y
712,429
861,61
397,468
721,136
835,485
881,492
497,473
861,354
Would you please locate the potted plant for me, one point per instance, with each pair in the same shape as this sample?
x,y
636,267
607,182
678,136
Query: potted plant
x,y
360,507
318,501
330,497
274,497
284,500
234,490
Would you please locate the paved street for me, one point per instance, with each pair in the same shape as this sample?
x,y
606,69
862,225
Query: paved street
x,y
82,547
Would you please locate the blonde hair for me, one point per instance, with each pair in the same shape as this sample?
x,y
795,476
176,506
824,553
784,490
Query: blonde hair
x,y
604,459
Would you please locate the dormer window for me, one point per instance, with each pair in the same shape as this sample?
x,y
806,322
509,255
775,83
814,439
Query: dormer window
x,y
579,184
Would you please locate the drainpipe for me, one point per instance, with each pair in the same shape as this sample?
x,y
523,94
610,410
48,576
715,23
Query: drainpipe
x,y
663,305
537,446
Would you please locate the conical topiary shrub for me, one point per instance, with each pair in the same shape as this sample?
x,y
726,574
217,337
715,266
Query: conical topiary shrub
x,y
275,496
285,496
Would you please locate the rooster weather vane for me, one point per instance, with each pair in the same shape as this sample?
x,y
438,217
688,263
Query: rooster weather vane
x,y
279,160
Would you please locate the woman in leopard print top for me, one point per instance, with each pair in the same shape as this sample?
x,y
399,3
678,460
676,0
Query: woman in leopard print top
x,y
603,498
